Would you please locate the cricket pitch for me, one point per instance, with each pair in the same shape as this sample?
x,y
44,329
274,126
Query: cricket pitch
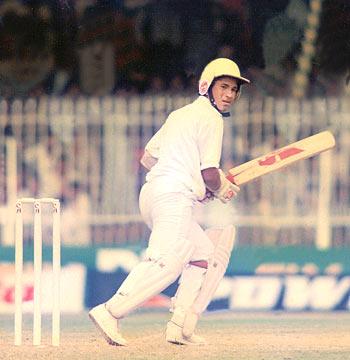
x,y
241,336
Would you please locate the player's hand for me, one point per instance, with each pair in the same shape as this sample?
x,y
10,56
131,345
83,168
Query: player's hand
x,y
209,196
227,190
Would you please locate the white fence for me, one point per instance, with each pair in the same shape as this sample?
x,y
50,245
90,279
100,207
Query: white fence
x,y
86,151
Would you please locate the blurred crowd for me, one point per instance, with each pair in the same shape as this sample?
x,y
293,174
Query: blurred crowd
x,y
101,47
126,47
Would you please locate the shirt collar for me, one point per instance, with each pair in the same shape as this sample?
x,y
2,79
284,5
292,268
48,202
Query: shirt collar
x,y
213,105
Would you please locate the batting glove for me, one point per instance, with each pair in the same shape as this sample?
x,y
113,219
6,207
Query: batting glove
x,y
227,189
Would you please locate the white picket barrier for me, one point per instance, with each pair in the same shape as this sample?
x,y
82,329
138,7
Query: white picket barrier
x,y
86,152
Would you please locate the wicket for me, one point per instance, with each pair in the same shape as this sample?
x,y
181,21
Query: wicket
x,y
56,267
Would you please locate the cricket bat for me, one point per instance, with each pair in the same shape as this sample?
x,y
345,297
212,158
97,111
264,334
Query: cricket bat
x,y
282,157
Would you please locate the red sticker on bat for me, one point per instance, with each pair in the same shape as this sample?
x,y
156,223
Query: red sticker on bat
x,y
283,154
231,178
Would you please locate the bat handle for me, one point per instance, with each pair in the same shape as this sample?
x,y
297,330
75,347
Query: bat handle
x,y
231,178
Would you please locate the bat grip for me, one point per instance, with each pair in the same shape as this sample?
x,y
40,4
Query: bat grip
x,y
231,178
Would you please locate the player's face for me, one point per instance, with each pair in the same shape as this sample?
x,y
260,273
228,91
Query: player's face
x,y
225,91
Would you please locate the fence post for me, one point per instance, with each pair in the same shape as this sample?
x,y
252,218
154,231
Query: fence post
x,y
11,188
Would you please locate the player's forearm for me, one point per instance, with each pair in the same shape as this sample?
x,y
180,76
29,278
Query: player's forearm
x,y
148,161
211,178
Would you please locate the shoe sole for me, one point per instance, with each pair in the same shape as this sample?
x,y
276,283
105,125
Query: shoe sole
x,y
175,341
179,340
184,342
107,338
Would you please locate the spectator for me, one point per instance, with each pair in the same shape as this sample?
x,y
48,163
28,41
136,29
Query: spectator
x,y
75,215
159,27
176,85
26,49
157,85
43,161
281,38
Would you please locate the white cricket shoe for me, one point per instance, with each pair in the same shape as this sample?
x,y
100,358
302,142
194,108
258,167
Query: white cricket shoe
x,y
189,323
107,324
174,335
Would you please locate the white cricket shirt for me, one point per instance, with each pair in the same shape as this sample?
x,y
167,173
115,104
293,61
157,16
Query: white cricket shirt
x,y
189,141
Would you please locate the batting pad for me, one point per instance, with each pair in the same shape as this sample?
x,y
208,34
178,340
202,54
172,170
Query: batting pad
x,y
145,280
190,284
224,241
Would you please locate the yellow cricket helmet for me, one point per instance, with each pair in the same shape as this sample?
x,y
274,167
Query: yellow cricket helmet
x,y
216,68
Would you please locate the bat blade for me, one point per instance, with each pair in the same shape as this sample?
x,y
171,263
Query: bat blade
x,y
282,157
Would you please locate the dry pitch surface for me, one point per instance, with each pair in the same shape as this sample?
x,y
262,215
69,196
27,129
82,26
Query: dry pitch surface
x,y
253,336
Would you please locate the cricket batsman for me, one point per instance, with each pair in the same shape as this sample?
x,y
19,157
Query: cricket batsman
x,y
183,159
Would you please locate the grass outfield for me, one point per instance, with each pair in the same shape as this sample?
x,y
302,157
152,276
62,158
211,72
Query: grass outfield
x,y
242,336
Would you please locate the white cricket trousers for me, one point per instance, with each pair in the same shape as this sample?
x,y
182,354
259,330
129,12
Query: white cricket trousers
x,y
174,228
176,238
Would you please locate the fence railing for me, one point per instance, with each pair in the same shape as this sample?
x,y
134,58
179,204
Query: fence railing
x,y
86,152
